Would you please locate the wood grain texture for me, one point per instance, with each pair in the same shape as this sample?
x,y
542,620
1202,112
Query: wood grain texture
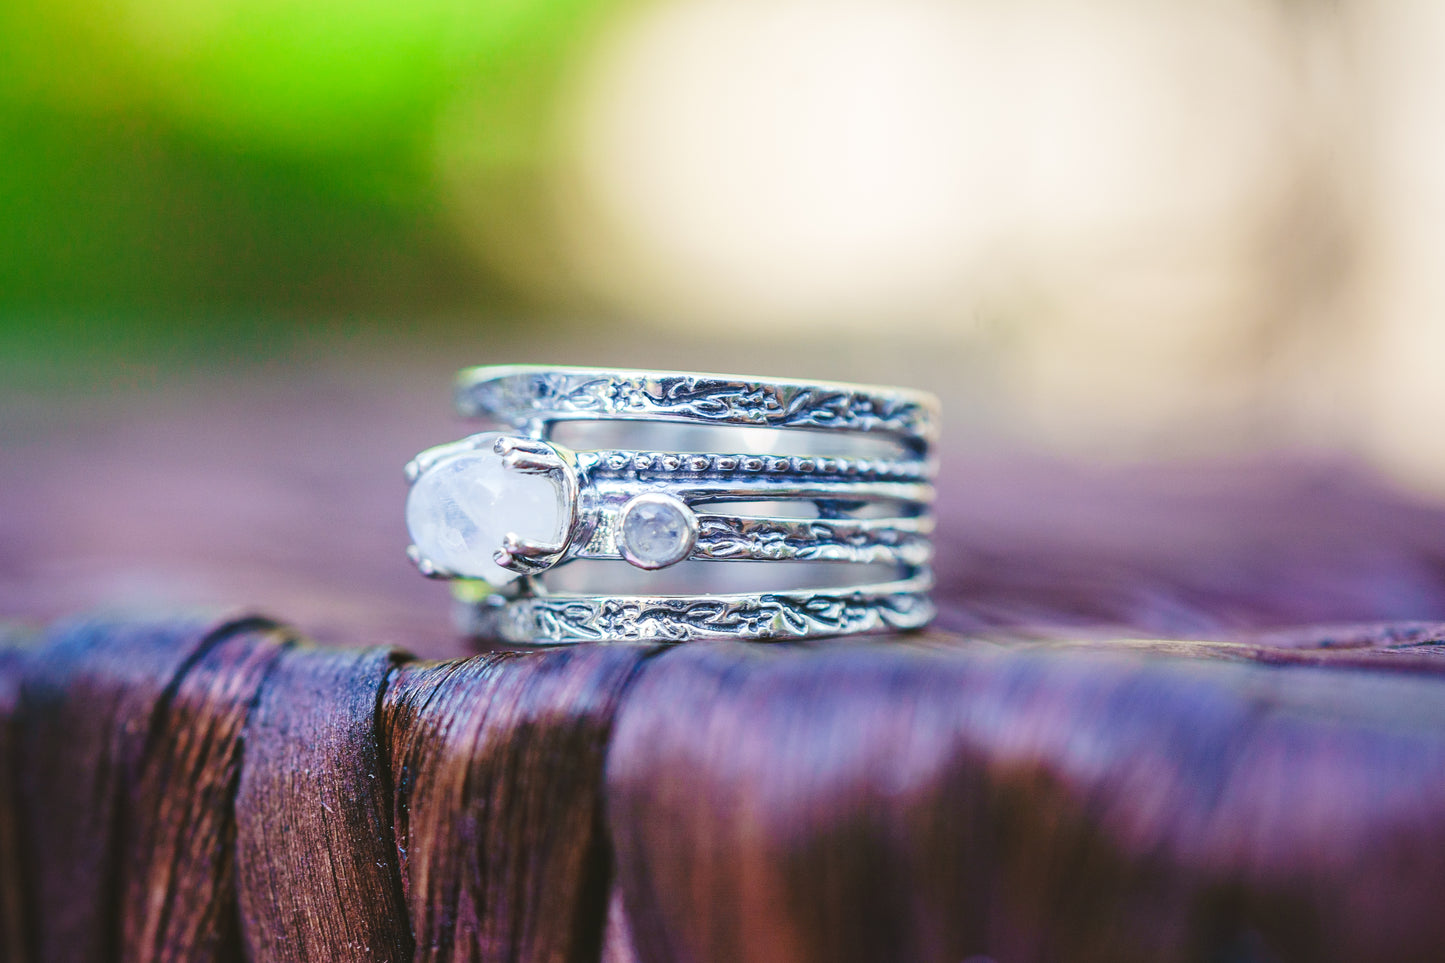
x,y
178,864
316,861
498,768
901,802
219,793
89,705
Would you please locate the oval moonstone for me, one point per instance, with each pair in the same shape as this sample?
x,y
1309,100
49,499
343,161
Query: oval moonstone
x,y
460,508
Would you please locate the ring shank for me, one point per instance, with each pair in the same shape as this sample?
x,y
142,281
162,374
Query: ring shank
x,y
745,538
880,465
525,396
758,617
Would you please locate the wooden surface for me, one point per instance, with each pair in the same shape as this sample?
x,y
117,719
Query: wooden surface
x,y
1177,714
187,793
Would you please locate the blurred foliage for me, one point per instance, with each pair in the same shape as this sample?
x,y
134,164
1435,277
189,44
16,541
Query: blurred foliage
x,y
174,153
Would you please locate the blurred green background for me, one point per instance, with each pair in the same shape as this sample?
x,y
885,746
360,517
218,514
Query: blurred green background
x,y
158,156
1101,228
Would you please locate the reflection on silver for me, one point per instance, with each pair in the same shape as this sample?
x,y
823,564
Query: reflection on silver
x,y
674,471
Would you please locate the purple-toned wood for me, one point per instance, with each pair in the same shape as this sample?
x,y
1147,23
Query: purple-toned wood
x,y
316,858
1182,713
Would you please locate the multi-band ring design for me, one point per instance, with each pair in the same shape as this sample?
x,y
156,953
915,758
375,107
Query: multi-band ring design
x,y
756,470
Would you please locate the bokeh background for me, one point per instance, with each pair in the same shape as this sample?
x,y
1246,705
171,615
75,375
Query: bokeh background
x,y
243,243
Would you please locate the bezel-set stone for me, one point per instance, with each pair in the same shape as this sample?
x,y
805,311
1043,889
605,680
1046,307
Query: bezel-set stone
x,y
655,530
465,501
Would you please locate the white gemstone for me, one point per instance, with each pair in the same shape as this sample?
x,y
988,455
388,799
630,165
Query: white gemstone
x,y
656,531
460,509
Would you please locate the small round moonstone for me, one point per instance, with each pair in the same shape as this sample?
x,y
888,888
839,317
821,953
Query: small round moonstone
x,y
656,531
460,509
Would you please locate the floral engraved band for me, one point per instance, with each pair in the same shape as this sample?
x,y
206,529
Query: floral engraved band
x,y
819,492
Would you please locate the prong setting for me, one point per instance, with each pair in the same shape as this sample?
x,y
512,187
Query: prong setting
x,y
425,565
462,491
528,455
527,556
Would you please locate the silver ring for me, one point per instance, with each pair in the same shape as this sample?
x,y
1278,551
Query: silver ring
x,y
818,492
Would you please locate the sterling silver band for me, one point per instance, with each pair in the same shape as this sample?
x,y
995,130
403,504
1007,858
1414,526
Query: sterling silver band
x,y
503,512
756,617
521,395
743,538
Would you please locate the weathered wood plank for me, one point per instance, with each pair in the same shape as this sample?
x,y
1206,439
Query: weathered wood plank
x,y
89,706
498,767
866,801
178,863
316,860
929,799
